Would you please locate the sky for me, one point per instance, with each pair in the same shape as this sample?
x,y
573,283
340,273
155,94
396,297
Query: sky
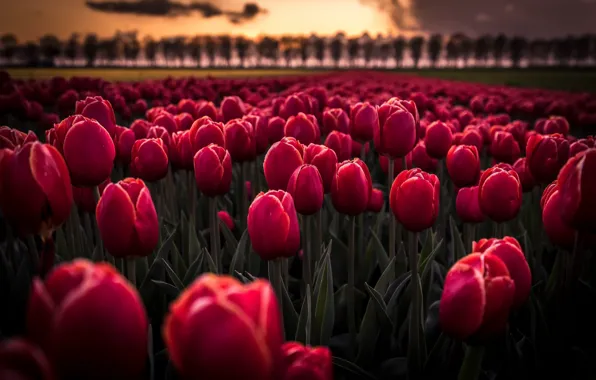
x,y
30,19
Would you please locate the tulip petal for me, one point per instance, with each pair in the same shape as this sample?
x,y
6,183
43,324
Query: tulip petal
x,y
116,218
146,223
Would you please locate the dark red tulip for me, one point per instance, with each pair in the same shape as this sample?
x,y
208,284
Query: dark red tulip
x,y
303,128
365,121
396,135
35,188
123,142
240,140
232,108
557,231
336,119
341,144
183,121
157,132
414,199
96,107
325,161
472,136
525,177
304,362
276,210
556,124
149,159
504,147
438,139
500,193
376,201
260,126
351,187
22,360
206,109
306,187
84,197
546,155
13,138
421,159
275,129
187,106
468,206
463,165
282,159
213,170
140,127
577,147
292,106
181,150
225,217
205,131
167,121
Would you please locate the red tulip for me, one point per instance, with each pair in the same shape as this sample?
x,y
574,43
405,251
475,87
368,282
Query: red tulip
x,y
325,161
149,159
127,219
197,330
13,138
205,131
167,121
206,109
438,139
96,107
477,297
304,362
396,135
123,142
213,170
577,147
282,159
281,238
260,126
303,128
376,201
557,231
181,150
35,189
500,193
556,124
187,106
21,360
140,127
467,205
472,136
225,217
292,106
336,119
351,187
86,315
275,129
546,155
240,140
341,144
157,132
232,108
463,165
525,177
365,121
420,158
414,199
504,147
306,187
183,121
84,197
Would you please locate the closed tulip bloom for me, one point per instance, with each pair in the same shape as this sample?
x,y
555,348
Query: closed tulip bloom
x,y
181,150
336,119
187,106
96,107
556,124
546,155
396,135
13,138
232,107
408,105
500,193
438,139
341,144
325,161
167,121
282,159
467,205
306,187
577,186
183,121
206,109
304,362
240,140
225,217
477,297
88,150
558,232
260,126
149,159
472,136
213,170
86,315
123,142
205,131
365,120
463,165
575,147
414,199
351,187
292,106
525,177
140,127
274,209
275,129
303,128
35,188
376,201
510,252
22,360
504,147
421,159
196,330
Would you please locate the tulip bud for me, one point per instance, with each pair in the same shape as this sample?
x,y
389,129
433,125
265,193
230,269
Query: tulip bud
x,y
365,120
306,187
467,205
304,362
240,140
225,217
167,121
414,199
463,165
232,108
438,139
292,106
183,121
575,147
205,131
420,158
149,159
195,330
35,188
20,359
376,201
556,124
336,119
504,147
472,136
260,126
303,128
525,177
86,315
325,161
396,135
351,187
181,150
500,193
157,132
187,106
557,231
341,144
13,138
206,109
276,210
127,219
481,285
96,107
213,170
282,159
275,129
123,142
140,127
546,155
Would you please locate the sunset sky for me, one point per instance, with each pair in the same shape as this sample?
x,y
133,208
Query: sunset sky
x,y
29,19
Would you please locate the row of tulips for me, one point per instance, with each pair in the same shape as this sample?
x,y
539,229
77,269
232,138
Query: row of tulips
x,y
292,195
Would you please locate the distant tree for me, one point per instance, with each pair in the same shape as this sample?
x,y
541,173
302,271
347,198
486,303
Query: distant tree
x,y
517,50
132,47
385,52
211,49
563,50
435,46
31,52
399,46
353,49
111,48
582,48
482,47
71,49
275,49
195,48
416,45
225,48
337,48
305,48
466,46
242,45
593,47
287,49
179,49
268,49
50,48
453,51
9,46
499,48
319,46
368,46
90,48
150,50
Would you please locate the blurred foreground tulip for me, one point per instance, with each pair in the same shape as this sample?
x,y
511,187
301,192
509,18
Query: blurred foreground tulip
x,y
21,360
414,199
304,362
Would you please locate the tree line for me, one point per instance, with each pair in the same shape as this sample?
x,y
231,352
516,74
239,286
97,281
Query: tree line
x,y
363,51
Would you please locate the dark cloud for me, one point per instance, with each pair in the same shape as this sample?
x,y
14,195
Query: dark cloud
x,y
172,8
533,18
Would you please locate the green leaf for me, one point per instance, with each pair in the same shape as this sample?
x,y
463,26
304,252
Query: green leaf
x,y
427,247
324,310
161,254
62,245
167,288
382,255
338,241
380,306
210,262
231,241
194,269
425,262
351,368
303,330
237,264
290,314
459,249
97,255
175,279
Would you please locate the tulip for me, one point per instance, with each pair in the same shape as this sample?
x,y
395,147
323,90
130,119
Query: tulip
x,y
86,315
325,161
206,109
35,188
341,144
127,219
351,187
225,217
13,138
365,121
480,285
282,159
187,106
577,186
463,165
414,199
336,119
556,124
205,131
512,255
166,120
292,106
213,170
96,107
275,129
577,147
196,330
19,359
306,187
504,147
123,142
240,140
260,126
396,135
84,197
183,121
468,206
472,136
303,128
525,177
181,150
304,362
88,150
546,155
376,201
420,159
557,231
500,193
140,127
231,108
438,139
149,159
157,132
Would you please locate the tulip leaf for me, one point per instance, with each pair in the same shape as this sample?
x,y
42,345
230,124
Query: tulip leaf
x,y
380,306
321,262
250,276
324,310
210,262
427,247
237,264
161,253
303,330
62,245
167,288
338,241
352,369
231,241
425,261
173,276
194,269
97,255
459,249
290,315
243,278
33,253
150,352
382,255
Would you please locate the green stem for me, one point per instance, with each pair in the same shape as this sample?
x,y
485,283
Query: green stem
x,y
472,365
469,236
415,307
392,223
318,237
498,230
363,151
306,253
351,283
98,240
256,182
131,270
275,278
214,229
244,201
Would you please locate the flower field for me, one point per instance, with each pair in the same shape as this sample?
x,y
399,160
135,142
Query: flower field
x,y
324,226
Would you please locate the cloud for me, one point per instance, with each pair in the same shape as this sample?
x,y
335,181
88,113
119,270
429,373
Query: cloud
x,y
172,8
